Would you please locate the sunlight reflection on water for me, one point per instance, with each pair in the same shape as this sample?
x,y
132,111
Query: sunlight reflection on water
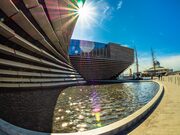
x,y
83,108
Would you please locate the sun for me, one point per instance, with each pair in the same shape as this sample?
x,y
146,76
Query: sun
x,y
87,13
84,12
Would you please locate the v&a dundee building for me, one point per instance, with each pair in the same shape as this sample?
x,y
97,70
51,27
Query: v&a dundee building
x,y
36,62
98,61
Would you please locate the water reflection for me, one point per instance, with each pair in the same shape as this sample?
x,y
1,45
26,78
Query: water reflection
x,y
82,108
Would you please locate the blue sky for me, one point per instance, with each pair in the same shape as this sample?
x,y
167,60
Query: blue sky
x,y
140,23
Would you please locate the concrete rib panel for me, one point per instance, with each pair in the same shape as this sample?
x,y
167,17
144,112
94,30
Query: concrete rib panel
x,y
10,51
49,47
36,74
35,85
32,67
41,18
7,79
31,3
27,26
51,61
11,10
9,85
54,14
68,16
6,31
25,44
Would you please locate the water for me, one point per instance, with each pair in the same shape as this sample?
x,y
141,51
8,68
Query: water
x,y
83,108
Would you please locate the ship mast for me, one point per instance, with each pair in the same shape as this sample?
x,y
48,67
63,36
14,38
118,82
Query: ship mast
x,y
153,60
137,65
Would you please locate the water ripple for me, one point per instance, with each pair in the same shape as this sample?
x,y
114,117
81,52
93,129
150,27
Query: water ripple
x,y
83,108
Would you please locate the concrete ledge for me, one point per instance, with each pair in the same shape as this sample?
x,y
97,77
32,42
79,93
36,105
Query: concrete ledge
x,y
71,82
106,130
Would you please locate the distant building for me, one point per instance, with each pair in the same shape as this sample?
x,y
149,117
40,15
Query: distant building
x,y
99,61
157,69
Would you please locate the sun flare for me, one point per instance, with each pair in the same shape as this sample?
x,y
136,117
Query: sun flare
x,y
87,13
84,12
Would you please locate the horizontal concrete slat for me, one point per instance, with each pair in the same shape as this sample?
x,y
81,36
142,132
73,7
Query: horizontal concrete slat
x,y
60,71
6,50
8,72
25,44
6,31
69,79
27,26
21,65
9,85
55,65
7,79
34,85
52,57
34,74
32,67
27,57
21,73
31,3
58,84
46,80
9,33
31,85
50,48
8,7
9,51
34,80
58,75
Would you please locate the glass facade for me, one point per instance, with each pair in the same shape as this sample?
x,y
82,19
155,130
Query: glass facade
x,y
88,48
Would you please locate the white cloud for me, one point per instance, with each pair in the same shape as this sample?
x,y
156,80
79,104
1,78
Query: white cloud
x,y
105,10
119,5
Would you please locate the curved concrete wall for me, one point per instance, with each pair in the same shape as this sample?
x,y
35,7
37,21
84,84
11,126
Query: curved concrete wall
x,y
34,61
111,129
34,40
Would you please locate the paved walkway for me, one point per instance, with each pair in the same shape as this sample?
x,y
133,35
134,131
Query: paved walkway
x,y
165,120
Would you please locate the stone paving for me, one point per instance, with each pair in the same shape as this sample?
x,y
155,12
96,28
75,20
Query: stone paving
x,y
165,120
